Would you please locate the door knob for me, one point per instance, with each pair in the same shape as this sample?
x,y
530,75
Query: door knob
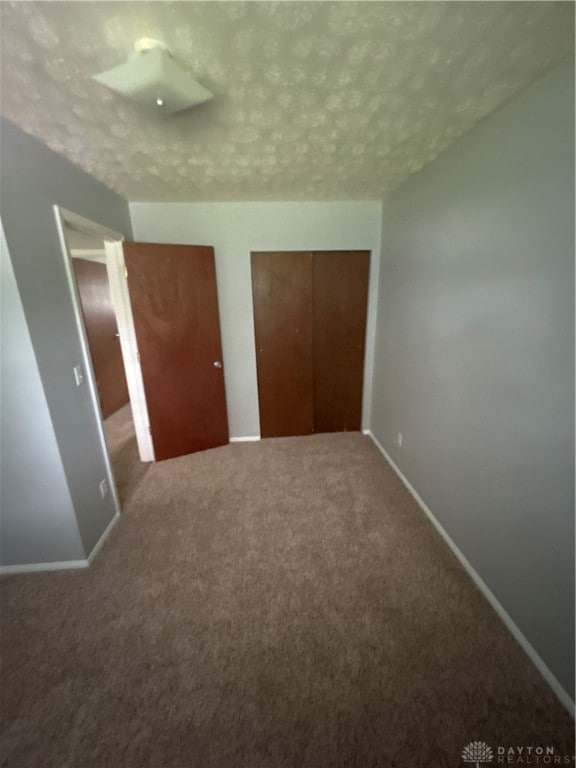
x,y
217,364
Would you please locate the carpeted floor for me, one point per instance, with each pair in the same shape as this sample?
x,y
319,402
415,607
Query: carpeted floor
x,y
123,451
281,604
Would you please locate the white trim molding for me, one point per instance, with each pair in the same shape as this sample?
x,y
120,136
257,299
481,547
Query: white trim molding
x,y
526,646
65,565
102,539
117,278
90,254
64,219
86,226
246,439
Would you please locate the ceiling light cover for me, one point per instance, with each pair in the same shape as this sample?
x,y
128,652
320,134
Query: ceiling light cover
x,y
154,80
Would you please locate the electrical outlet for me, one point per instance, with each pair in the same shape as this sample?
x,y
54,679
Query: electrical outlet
x,y
103,486
400,439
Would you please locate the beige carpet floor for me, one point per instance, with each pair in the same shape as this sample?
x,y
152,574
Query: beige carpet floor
x,y
281,604
123,451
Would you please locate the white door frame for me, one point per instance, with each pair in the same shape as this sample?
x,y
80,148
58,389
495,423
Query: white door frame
x,y
121,301
117,275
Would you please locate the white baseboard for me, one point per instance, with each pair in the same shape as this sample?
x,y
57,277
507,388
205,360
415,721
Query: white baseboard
x,y
102,539
247,439
64,565
484,589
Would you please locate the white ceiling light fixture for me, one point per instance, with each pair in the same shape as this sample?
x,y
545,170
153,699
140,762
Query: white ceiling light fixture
x,y
154,80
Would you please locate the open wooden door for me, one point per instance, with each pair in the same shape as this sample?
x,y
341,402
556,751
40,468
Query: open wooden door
x,y
102,333
175,309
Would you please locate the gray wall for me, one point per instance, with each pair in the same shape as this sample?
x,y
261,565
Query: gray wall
x,y
475,354
234,229
33,179
37,522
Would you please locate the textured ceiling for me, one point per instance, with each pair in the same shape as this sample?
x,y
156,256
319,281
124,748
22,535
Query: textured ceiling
x,y
314,100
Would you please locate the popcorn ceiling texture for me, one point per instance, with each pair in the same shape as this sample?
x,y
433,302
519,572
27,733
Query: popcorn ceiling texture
x,y
314,100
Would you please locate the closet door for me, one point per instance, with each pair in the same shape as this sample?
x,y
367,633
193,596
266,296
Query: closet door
x,y
282,287
340,302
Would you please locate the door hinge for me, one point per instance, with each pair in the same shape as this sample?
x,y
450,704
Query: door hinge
x,y
138,356
125,271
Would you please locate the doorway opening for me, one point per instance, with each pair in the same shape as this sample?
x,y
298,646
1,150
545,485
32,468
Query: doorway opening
x,y
111,372
93,285
165,301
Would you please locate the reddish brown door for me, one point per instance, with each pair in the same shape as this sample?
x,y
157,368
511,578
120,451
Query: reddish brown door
x,y
282,293
175,308
102,333
340,302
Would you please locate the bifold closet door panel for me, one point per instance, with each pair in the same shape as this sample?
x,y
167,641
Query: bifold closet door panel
x,y
340,305
282,287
